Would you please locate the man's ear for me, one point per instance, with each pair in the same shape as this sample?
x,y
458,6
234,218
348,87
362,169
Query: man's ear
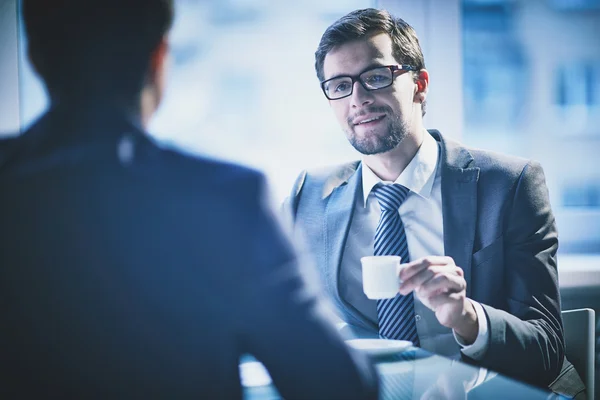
x,y
422,86
158,63
156,81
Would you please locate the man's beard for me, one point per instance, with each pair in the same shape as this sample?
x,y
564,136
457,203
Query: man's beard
x,y
396,130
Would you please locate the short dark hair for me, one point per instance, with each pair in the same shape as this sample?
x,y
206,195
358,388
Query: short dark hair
x,y
102,46
363,23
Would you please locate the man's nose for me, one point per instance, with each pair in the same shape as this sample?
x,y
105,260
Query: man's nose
x,y
360,96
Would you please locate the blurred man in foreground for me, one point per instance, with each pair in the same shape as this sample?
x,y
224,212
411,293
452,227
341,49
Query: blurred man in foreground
x,y
130,271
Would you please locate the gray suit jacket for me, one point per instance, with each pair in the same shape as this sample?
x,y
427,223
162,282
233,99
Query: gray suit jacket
x,y
499,229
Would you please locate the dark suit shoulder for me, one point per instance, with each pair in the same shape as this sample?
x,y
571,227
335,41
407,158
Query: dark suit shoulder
x,y
491,160
501,167
215,177
490,163
224,171
499,174
7,140
7,146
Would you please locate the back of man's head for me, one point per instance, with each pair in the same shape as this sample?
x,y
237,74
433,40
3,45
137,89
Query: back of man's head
x,y
95,47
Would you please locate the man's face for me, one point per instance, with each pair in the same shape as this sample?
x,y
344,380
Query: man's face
x,y
374,121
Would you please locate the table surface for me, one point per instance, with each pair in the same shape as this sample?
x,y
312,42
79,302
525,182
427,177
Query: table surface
x,y
414,374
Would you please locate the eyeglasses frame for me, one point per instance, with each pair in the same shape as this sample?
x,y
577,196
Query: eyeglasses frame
x,y
356,78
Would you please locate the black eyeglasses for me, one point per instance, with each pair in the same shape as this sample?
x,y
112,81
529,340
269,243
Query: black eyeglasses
x,y
371,79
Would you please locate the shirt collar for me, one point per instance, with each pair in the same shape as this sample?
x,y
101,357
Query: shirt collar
x,y
418,176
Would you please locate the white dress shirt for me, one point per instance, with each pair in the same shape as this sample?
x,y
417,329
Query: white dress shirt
x,y
421,215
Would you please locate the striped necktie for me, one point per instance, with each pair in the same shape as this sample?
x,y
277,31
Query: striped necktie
x,y
397,315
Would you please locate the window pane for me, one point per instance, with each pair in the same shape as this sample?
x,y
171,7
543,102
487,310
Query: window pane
x,y
531,72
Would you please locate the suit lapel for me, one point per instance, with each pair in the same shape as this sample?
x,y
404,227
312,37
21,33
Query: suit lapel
x,y
459,203
341,192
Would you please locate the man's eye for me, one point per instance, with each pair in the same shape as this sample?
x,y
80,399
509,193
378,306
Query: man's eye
x,y
377,79
342,87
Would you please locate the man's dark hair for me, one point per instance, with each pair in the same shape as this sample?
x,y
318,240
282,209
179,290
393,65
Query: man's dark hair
x,y
95,47
361,24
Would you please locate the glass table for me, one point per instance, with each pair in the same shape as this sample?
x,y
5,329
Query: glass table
x,y
414,374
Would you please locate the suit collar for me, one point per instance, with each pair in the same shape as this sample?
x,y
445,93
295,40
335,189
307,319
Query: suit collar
x,y
63,126
65,122
454,155
418,175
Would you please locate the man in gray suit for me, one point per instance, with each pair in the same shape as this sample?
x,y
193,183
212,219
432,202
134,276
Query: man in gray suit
x,y
474,228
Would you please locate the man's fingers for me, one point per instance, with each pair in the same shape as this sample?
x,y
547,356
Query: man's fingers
x,y
442,283
414,267
427,274
438,300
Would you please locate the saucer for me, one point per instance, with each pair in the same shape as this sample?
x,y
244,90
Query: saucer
x,y
379,347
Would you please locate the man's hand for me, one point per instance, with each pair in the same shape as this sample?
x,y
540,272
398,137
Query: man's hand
x,y
441,286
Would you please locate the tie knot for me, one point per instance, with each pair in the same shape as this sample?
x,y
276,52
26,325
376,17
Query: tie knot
x,y
390,196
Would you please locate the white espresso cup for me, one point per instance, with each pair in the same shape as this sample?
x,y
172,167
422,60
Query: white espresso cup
x,y
380,276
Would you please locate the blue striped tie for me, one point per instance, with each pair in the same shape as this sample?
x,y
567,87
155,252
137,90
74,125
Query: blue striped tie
x,y
397,315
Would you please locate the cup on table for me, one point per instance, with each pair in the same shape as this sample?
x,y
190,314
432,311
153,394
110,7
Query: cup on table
x,y
380,275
